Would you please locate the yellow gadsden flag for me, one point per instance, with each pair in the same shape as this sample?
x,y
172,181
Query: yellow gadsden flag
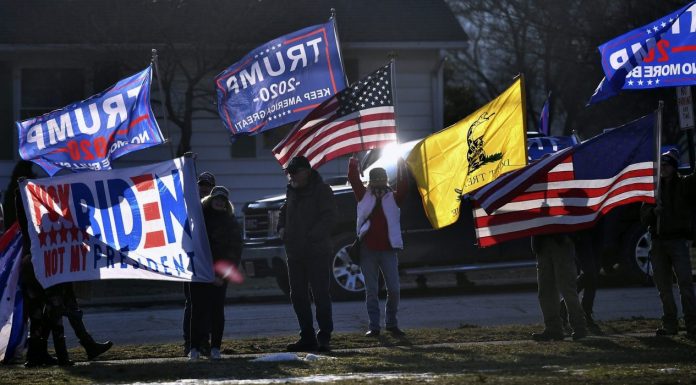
x,y
470,154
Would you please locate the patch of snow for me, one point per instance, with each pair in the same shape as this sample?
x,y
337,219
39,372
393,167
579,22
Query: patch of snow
x,y
317,379
668,370
277,357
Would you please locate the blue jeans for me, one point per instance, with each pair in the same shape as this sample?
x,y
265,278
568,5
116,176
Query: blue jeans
x,y
371,262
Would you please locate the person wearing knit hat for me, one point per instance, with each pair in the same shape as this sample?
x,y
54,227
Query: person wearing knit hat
x,y
670,223
208,299
206,182
379,230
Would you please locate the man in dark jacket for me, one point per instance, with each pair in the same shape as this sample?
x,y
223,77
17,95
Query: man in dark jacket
x,y
305,225
670,225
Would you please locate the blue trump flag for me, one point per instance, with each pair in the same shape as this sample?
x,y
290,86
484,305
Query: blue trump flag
x,y
12,326
86,135
281,81
659,54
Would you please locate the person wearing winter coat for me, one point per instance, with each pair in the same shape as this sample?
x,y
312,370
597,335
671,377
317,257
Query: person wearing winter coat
x,y
670,223
208,299
305,224
378,227
205,182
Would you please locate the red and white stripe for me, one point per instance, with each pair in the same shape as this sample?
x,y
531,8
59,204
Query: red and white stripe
x,y
556,202
327,137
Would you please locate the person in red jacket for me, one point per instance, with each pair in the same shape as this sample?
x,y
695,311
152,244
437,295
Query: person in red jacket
x,y
378,226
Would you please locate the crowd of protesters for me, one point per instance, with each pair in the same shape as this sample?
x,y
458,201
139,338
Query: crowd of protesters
x,y
45,308
567,264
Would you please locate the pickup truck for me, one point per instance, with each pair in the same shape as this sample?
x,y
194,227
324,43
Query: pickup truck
x,y
452,249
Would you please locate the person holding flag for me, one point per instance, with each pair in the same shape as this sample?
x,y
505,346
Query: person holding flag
x,y
671,225
379,228
208,299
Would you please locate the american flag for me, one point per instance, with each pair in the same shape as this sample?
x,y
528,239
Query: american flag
x,y
358,118
571,189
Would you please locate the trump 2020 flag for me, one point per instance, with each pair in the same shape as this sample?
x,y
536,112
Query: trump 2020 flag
x,y
133,223
86,135
280,81
659,54
470,154
358,118
12,324
569,190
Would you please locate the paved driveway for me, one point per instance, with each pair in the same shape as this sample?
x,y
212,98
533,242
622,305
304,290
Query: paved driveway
x,y
163,324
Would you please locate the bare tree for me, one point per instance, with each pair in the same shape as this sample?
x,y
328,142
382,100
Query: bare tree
x,y
190,52
554,43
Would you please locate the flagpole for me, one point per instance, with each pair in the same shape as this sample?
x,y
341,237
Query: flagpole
x,y
338,44
548,119
524,111
392,68
153,61
658,142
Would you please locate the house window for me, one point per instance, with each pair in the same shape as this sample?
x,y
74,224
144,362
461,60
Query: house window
x,y
6,124
271,138
46,89
243,147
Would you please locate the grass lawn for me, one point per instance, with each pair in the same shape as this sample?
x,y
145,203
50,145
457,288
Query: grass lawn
x,y
473,356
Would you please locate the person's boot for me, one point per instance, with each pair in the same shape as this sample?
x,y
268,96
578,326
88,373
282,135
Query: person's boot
x,y
93,348
548,335
62,352
33,350
303,346
669,328
46,358
592,325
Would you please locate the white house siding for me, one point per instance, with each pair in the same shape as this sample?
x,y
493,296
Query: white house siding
x,y
252,178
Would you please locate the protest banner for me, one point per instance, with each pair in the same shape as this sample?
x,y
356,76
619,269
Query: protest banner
x,y
87,135
138,223
281,81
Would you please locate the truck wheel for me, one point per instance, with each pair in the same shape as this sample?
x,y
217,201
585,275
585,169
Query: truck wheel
x,y
636,251
347,280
